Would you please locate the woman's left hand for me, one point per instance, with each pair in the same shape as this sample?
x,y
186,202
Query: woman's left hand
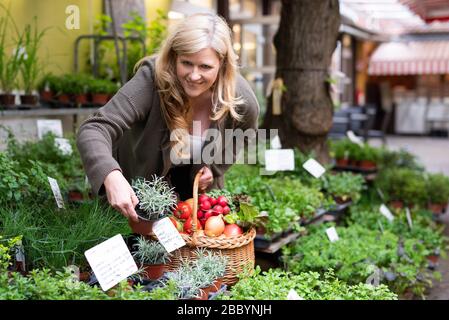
x,y
206,179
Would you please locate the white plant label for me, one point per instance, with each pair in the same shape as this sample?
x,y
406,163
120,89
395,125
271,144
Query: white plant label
x,y
111,262
56,192
353,138
409,217
386,212
20,254
314,168
168,235
293,295
275,143
279,159
44,126
64,145
332,234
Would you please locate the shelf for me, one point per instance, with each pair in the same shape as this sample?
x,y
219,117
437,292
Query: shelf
x,y
275,246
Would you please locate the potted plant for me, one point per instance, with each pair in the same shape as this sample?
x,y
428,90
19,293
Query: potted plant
x,y
76,87
46,87
101,90
9,64
368,158
152,256
437,192
344,186
31,65
156,201
212,268
189,282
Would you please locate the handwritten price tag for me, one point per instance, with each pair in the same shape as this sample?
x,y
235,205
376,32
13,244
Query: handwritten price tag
x,y
314,168
56,192
167,235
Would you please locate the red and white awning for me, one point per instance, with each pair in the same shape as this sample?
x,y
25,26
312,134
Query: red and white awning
x,y
410,58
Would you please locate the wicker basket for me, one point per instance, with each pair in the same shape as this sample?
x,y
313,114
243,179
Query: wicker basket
x,y
239,250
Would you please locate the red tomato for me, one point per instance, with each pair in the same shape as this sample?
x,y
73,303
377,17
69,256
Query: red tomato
x,y
182,211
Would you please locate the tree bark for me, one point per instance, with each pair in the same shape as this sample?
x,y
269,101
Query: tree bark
x,y
304,43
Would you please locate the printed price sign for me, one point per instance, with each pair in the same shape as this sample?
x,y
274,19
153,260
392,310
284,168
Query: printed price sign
x,y
353,138
44,126
167,234
332,234
314,168
56,192
279,160
111,262
64,145
293,295
386,212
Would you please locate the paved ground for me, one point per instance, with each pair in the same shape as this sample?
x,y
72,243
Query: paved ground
x,y
433,153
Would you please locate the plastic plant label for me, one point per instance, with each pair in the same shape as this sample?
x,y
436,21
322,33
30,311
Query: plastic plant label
x,y
293,295
53,126
353,138
386,212
275,143
332,234
64,145
111,262
314,168
168,235
56,192
20,255
409,217
279,160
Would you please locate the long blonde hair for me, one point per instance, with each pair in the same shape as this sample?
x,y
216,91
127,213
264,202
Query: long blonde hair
x,y
194,33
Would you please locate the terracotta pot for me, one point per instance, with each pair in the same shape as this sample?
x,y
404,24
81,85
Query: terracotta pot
x,y
216,285
81,98
437,208
342,162
30,99
367,164
64,98
143,227
100,98
397,204
7,99
340,200
46,95
433,258
85,276
75,195
154,271
353,163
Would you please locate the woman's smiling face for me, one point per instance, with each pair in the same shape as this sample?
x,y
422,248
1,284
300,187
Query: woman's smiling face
x,y
197,72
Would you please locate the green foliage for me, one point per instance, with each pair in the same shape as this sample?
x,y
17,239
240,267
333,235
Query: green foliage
x,y
44,285
358,250
102,86
399,159
10,63
6,247
150,252
210,265
402,184
276,284
156,198
31,66
437,188
344,185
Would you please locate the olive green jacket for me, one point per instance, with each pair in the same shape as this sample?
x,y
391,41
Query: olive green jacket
x,y
130,134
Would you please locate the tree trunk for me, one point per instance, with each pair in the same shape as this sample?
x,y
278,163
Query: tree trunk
x,y
304,42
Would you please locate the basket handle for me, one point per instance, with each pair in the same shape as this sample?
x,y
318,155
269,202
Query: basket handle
x,y
195,203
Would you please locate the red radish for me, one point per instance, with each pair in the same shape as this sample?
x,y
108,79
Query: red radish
x,y
218,209
232,230
209,213
205,205
200,214
203,198
222,201
214,226
202,222
226,210
213,201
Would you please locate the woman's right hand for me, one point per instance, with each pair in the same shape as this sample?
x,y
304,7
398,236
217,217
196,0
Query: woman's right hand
x,y
121,195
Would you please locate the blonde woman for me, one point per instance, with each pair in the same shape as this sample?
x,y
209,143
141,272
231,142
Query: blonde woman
x,y
192,80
